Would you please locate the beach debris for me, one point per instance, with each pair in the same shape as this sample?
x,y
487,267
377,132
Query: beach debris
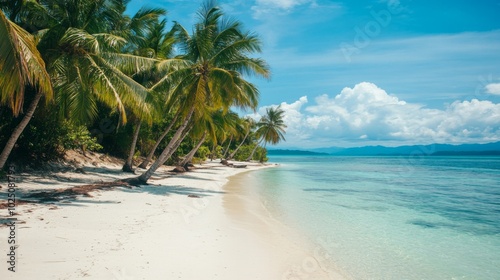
x,y
73,192
226,163
80,170
179,169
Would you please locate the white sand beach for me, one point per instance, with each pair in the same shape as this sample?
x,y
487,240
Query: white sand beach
x,y
186,226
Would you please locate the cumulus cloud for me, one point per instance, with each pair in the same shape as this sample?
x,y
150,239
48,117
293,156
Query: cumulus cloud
x,y
263,7
493,89
367,114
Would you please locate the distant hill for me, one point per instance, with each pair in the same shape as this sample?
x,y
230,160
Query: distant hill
x,y
434,149
293,153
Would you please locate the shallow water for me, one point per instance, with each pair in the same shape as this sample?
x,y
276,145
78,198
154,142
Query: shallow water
x,y
392,217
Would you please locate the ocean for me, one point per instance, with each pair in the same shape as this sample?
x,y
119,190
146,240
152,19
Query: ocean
x,y
390,217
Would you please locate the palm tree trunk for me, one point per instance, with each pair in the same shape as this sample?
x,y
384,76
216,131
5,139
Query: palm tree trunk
x,y
227,149
145,163
168,151
239,146
19,129
128,166
190,155
253,151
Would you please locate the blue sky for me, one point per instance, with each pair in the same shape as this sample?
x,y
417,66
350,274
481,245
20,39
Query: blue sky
x,y
374,72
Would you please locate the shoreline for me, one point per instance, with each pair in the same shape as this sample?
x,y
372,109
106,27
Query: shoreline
x,y
302,258
176,228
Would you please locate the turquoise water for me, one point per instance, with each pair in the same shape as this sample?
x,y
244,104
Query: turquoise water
x,y
392,217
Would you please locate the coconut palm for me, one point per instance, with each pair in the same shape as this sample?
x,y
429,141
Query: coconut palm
x,y
271,128
160,44
215,126
21,67
233,131
146,37
245,126
85,61
217,56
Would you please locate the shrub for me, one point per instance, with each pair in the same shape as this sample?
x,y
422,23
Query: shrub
x,y
245,150
203,153
78,137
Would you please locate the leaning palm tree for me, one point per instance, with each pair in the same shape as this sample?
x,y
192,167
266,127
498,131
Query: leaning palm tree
x,y
217,55
21,66
271,128
146,37
227,131
160,44
215,126
246,126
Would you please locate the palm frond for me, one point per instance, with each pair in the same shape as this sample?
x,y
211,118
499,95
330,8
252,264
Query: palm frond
x,y
128,63
110,41
21,65
250,66
79,41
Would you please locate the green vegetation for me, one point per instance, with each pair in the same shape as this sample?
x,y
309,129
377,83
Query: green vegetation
x,y
128,85
78,137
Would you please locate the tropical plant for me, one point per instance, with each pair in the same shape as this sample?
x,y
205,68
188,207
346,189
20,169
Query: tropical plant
x,y
247,126
215,126
78,137
146,38
271,128
85,60
158,44
217,57
21,68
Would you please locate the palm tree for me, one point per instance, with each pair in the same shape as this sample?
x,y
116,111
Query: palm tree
x,y
217,57
151,153
271,128
215,125
21,66
146,38
160,44
85,61
247,126
189,156
226,130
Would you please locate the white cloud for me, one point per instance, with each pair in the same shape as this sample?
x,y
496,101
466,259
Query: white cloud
x,y
493,89
367,114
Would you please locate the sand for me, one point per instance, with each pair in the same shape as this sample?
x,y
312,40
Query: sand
x,y
187,226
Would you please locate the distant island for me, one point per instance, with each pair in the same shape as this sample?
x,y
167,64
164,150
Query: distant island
x,y
489,149
294,153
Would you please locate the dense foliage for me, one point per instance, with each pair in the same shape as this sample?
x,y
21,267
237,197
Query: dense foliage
x,y
128,85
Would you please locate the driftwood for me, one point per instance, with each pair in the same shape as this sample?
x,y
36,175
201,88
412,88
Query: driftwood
x,y
179,169
226,163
